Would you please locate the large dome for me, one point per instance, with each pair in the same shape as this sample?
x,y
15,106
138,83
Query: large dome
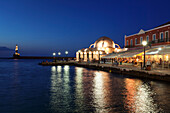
x,y
105,42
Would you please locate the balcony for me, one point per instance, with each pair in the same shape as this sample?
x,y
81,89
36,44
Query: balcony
x,y
160,41
150,43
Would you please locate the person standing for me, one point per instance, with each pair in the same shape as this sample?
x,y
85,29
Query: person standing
x,y
160,61
148,64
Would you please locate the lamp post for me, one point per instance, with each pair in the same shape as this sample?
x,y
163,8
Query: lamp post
x,y
59,53
99,56
144,43
54,54
66,52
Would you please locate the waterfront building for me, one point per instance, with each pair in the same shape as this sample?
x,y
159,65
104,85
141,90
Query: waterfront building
x,y
157,36
103,46
157,48
158,44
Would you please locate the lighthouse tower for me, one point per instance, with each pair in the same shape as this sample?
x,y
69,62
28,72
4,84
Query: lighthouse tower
x,y
16,54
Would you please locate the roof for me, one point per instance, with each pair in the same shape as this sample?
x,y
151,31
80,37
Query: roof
x,y
164,24
104,39
160,26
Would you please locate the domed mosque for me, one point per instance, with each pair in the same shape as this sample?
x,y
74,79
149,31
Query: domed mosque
x,y
102,46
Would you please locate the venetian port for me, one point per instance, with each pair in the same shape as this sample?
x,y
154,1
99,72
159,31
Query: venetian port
x,y
84,56
145,55
101,78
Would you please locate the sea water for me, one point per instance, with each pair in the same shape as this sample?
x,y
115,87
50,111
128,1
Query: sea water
x,y
26,87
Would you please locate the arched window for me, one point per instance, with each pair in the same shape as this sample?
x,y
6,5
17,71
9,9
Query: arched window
x,y
154,37
131,42
161,36
147,38
127,43
136,41
141,40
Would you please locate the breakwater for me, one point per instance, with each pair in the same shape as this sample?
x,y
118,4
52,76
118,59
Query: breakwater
x,y
42,57
116,69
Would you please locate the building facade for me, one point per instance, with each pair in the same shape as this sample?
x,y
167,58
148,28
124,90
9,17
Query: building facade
x,y
156,36
157,49
103,46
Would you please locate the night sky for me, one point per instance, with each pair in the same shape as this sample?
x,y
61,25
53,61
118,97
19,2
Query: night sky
x,y
41,27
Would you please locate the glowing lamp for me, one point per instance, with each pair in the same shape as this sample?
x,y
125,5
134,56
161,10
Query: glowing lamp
x,y
54,54
59,53
159,49
66,52
144,43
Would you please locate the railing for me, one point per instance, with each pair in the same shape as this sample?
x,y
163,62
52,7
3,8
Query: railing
x,y
160,40
152,42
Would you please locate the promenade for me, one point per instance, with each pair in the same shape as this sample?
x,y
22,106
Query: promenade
x,y
125,69
158,71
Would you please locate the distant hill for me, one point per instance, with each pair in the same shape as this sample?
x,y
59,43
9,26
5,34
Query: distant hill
x,y
5,49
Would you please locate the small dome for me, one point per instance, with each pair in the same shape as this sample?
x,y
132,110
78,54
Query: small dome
x,y
105,42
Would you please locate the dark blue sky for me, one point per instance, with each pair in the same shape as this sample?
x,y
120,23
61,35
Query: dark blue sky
x,y
41,27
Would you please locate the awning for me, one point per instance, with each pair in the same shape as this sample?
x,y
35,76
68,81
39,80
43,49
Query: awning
x,y
126,54
157,51
137,52
112,55
133,53
152,51
165,50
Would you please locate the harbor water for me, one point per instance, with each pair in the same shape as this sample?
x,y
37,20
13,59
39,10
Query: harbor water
x,y
26,87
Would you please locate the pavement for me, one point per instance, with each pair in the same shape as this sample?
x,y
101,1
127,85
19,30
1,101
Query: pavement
x,y
157,71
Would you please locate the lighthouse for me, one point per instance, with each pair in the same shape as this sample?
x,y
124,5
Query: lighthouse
x,y
16,54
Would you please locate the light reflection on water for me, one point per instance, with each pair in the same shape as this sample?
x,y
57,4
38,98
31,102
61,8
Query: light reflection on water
x,y
139,97
60,88
95,91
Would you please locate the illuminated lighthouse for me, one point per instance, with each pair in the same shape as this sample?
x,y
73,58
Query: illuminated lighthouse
x,y
16,54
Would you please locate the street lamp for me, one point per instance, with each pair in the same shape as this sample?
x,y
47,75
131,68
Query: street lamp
x,y
66,52
59,53
54,54
144,43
